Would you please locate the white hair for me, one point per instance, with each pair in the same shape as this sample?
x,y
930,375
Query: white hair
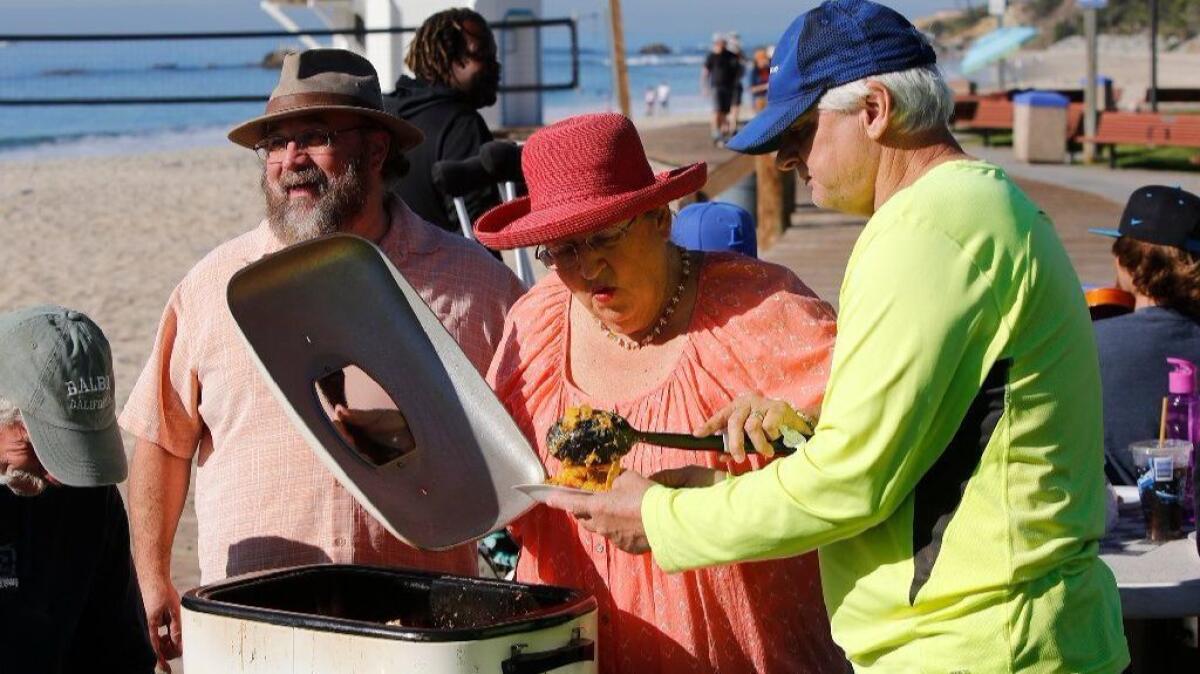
x,y
923,101
9,413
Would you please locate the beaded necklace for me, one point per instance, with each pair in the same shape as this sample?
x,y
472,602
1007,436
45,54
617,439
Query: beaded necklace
x,y
668,309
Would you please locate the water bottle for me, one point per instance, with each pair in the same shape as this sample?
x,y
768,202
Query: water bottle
x,y
1182,410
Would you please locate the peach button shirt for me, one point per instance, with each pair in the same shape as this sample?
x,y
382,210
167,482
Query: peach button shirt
x,y
263,499
755,327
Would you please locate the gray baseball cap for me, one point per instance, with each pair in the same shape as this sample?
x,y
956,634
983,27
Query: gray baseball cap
x,y
57,369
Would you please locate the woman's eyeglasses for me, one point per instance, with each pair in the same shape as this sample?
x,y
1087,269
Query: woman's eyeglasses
x,y
566,256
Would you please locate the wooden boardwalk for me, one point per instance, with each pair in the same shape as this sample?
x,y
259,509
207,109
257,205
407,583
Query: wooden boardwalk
x,y
690,143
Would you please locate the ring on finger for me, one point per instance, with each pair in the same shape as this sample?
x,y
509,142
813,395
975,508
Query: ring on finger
x,y
758,414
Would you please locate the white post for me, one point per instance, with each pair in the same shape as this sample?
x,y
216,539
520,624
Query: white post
x,y
286,22
384,50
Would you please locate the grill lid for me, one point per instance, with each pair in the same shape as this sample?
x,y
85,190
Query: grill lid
x,y
324,318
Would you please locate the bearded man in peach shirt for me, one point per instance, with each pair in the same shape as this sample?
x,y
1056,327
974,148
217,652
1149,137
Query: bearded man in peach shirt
x,y
331,156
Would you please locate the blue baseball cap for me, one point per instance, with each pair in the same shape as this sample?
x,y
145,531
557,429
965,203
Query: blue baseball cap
x,y
715,226
836,43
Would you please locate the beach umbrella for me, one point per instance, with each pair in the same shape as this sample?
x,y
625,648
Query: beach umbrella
x,y
995,46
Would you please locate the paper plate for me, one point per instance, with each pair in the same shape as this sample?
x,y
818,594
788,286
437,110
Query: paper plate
x,y
541,491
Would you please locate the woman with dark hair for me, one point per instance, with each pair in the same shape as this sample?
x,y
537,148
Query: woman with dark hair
x,y
1157,260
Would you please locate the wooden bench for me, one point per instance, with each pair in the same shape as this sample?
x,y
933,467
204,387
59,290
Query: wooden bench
x,y
990,115
1146,129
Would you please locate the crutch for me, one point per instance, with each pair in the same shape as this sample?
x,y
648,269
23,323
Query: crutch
x,y
502,160
458,178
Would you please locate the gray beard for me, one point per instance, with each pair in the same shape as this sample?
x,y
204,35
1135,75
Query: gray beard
x,y
22,483
339,201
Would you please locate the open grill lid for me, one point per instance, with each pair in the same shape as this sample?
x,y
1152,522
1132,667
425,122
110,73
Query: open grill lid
x,y
316,308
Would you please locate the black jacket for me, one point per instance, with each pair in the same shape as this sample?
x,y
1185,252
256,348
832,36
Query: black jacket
x,y
69,598
453,130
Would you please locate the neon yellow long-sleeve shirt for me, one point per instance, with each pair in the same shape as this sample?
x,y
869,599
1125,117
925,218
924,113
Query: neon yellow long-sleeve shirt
x,y
954,485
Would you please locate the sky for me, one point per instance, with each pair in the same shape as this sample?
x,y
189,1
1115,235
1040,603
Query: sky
x,y
675,22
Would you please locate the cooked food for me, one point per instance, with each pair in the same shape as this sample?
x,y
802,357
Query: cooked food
x,y
590,444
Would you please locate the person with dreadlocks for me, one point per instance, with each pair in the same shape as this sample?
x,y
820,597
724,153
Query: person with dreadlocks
x,y
455,73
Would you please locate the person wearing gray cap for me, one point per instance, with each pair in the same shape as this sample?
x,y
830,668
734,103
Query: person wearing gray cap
x,y
330,158
69,599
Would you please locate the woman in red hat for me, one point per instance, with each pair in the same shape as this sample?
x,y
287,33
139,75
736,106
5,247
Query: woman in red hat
x,y
666,338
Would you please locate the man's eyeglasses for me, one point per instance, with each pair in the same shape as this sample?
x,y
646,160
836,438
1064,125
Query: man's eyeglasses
x,y
800,129
566,256
311,142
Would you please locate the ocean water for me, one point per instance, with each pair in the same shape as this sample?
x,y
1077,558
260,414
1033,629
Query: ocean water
x,y
34,70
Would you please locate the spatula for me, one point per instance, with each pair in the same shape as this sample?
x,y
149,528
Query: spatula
x,y
609,435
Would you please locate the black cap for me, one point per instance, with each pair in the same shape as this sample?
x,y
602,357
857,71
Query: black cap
x,y
1167,216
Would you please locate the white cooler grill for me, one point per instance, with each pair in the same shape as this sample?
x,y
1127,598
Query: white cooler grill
x,y
306,313
333,619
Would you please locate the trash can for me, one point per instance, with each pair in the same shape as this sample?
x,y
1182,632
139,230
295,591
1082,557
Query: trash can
x,y
1040,127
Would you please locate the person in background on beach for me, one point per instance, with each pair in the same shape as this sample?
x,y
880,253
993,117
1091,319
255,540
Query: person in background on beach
x,y
735,105
455,74
1157,259
628,321
69,599
664,96
718,79
651,98
954,483
760,72
329,154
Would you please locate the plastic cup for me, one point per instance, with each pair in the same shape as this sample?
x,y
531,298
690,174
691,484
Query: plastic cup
x,y
1162,473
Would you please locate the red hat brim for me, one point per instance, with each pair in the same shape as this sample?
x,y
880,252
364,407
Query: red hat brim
x,y
515,225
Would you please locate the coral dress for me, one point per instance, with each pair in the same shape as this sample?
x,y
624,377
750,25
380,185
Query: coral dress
x,y
755,327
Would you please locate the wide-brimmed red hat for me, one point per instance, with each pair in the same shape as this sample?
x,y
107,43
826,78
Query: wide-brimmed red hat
x,y
584,173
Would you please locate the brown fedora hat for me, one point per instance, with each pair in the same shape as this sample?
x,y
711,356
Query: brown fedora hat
x,y
325,80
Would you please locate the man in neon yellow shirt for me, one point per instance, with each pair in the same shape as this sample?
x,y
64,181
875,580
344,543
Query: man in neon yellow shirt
x,y
954,485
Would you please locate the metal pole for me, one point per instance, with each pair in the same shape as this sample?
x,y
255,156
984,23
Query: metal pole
x,y
1000,63
1154,55
464,218
620,75
1089,89
508,192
